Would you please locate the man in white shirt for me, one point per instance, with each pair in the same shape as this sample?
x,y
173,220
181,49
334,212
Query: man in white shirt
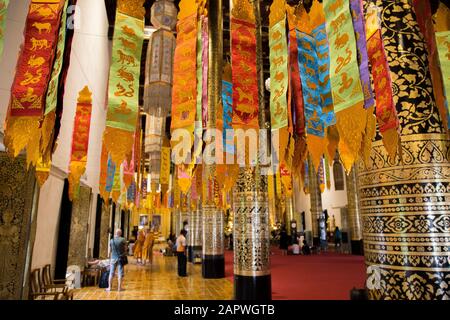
x,y
181,253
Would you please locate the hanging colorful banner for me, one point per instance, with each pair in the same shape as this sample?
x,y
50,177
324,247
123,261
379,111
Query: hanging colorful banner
x,y
184,78
123,97
361,47
31,80
385,108
321,176
227,101
51,100
348,97
443,47
103,174
198,113
117,184
243,60
164,176
315,126
425,21
3,11
278,65
319,33
80,140
42,171
110,176
327,173
204,66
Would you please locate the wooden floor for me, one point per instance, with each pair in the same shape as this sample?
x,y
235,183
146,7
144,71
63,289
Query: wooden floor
x,y
161,282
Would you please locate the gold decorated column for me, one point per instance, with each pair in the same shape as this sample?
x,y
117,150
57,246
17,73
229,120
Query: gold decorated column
x,y
353,211
405,200
315,197
195,232
213,261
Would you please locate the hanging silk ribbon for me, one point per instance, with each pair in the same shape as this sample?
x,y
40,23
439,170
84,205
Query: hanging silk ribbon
x,y
80,140
184,78
319,33
443,47
205,66
111,171
307,60
327,173
425,21
296,93
3,11
348,97
165,166
131,192
227,100
31,80
51,101
361,47
279,78
243,64
321,176
385,108
103,174
123,97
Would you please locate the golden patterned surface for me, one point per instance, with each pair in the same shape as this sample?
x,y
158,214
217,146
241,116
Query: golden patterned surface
x,y
315,198
161,282
277,12
354,213
243,9
134,8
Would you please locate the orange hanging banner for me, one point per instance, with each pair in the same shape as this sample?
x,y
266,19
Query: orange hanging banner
x,y
80,139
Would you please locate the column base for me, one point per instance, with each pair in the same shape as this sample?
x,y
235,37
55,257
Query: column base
x,y
213,266
252,288
357,247
193,251
316,242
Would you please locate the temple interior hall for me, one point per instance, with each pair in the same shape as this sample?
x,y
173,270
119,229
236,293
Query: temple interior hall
x,y
224,150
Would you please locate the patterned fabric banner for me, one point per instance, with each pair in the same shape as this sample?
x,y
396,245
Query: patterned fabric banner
x,y
348,97
363,59
198,114
243,60
204,66
129,168
227,101
110,175
80,140
3,11
103,174
117,182
184,78
327,173
52,93
42,171
443,46
123,97
164,176
385,108
321,176
31,80
319,33
279,79
296,85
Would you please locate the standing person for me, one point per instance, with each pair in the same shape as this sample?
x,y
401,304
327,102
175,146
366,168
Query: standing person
x,y
284,241
147,250
139,246
181,253
337,238
118,247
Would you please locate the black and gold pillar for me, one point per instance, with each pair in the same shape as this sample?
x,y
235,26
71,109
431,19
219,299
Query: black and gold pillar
x,y
213,260
251,240
353,212
195,232
18,206
79,228
405,201
315,200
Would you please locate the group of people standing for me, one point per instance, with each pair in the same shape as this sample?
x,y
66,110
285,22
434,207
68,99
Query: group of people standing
x,y
143,247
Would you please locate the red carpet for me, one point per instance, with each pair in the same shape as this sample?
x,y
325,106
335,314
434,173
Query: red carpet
x,y
327,276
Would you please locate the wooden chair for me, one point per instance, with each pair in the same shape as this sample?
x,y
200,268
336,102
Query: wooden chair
x,y
91,276
37,293
49,284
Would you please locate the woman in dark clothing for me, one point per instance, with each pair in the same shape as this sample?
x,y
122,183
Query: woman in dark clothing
x,y
284,241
